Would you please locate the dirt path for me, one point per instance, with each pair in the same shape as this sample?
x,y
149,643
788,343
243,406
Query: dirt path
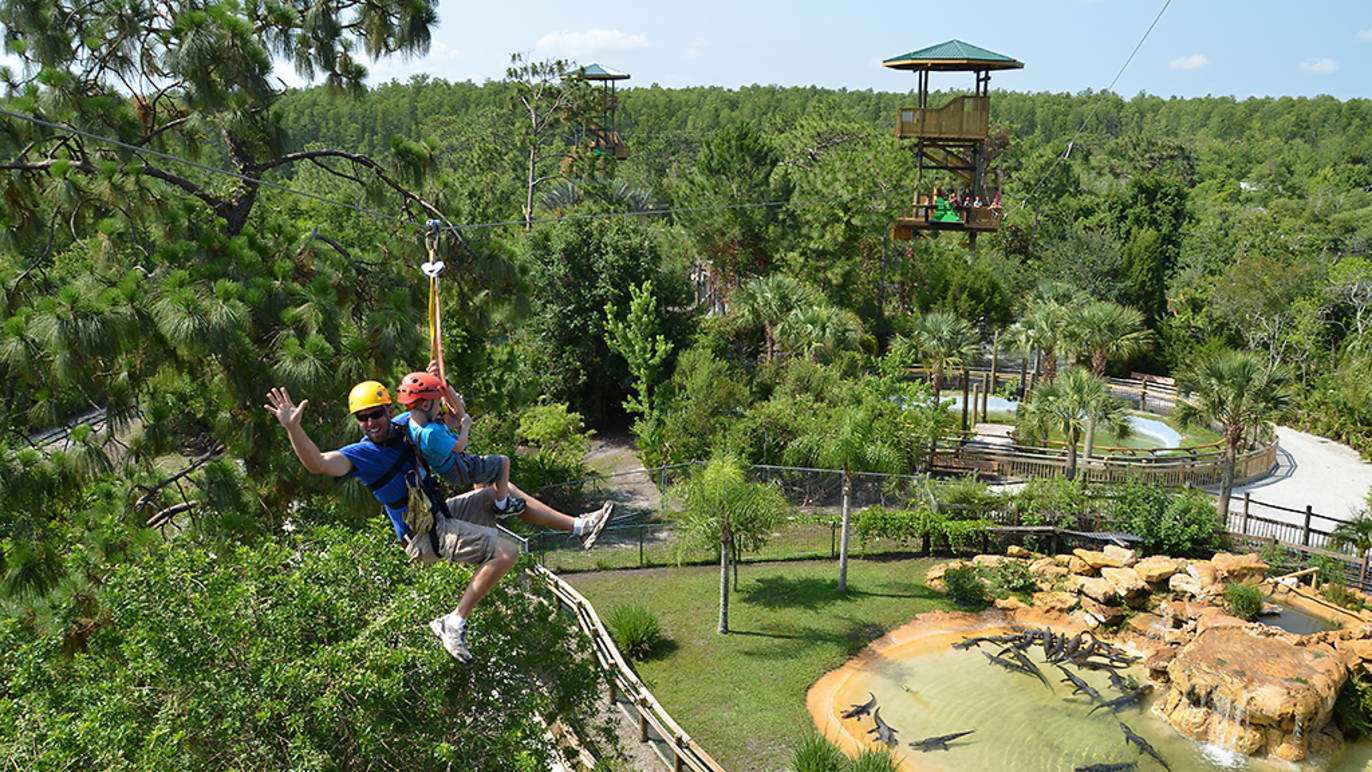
x,y
618,455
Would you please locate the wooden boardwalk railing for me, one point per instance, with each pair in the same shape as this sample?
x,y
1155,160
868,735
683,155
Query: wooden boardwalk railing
x,y
685,752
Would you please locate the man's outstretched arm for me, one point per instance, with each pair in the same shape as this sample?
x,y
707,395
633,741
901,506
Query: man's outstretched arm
x,y
332,463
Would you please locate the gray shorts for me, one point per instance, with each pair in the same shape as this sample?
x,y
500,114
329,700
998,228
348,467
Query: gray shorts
x,y
469,469
468,536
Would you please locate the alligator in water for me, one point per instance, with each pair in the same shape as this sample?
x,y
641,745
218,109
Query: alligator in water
x,y
855,710
882,730
1124,766
1143,745
1079,686
939,743
1120,702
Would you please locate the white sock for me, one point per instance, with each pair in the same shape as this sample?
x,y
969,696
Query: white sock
x,y
577,525
501,503
457,621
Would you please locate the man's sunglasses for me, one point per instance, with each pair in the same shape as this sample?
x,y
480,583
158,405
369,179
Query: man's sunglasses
x,y
363,418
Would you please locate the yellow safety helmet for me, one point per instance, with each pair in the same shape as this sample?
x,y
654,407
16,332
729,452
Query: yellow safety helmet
x,y
367,394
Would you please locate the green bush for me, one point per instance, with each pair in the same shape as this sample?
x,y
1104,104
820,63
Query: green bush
x,y
878,759
1353,709
813,753
635,629
1175,524
1243,600
965,588
1339,594
1011,577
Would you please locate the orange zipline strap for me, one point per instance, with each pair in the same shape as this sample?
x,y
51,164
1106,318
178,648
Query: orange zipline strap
x,y
433,268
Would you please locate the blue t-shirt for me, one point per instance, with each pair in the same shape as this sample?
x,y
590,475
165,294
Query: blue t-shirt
x,y
371,461
435,442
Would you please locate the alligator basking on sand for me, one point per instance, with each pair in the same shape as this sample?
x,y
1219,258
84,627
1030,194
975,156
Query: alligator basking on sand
x,y
882,730
1143,745
855,710
939,743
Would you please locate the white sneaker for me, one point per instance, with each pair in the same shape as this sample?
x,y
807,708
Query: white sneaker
x,y
594,523
454,638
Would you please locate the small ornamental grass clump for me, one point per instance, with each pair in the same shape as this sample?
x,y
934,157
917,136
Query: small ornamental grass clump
x,y
1243,600
635,629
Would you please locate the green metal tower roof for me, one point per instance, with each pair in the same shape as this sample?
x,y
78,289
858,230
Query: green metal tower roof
x,y
953,56
596,72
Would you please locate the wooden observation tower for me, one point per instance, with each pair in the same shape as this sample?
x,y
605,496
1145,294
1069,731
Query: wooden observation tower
x,y
951,138
596,130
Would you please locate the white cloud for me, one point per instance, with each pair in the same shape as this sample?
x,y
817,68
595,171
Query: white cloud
x,y
697,48
1365,35
590,41
1192,62
1321,66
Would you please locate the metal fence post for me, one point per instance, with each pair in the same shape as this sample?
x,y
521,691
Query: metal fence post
x,y
833,545
640,544
1305,532
1247,500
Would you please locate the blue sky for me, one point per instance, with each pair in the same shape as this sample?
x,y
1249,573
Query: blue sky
x,y
1199,47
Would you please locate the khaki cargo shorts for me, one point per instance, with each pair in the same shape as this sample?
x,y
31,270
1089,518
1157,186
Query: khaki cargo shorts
x,y
469,536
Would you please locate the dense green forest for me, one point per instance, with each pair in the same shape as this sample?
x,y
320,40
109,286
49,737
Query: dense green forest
x,y
731,285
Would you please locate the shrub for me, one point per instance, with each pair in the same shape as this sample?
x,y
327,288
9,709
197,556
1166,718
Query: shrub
x,y
963,534
1011,577
814,753
1353,709
878,759
965,588
1244,600
635,629
1339,594
1178,524
900,526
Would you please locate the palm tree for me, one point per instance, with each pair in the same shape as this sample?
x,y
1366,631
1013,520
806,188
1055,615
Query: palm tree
x,y
818,332
942,341
1048,321
1238,391
767,300
721,508
1356,533
1072,405
1105,330
851,442
1024,340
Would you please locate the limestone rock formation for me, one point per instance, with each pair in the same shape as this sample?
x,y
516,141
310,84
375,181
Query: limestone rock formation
x,y
1237,568
1156,569
1253,694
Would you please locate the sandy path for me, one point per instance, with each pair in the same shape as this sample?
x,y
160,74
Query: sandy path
x,y
1312,470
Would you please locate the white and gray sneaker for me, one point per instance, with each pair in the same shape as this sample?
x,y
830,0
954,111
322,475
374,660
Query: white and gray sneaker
x,y
593,523
454,638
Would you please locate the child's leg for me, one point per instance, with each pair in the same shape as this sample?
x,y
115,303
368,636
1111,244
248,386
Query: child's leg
x,y
538,513
502,483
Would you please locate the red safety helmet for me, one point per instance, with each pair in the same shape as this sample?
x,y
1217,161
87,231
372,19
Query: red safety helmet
x,y
417,386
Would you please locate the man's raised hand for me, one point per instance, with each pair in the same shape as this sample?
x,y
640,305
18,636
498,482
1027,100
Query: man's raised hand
x,y
285,410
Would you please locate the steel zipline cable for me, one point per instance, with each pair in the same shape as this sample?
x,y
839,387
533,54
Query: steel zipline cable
x,y
1094,108
409,223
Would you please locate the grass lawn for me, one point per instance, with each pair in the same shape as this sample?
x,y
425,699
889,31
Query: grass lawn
x,y
742,695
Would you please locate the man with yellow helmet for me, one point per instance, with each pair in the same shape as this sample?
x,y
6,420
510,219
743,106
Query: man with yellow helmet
x,y
463,527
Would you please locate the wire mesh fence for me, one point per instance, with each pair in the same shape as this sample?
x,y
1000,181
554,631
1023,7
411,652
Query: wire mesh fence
x,y
642,532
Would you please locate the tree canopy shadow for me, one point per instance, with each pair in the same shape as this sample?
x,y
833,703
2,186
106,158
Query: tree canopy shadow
x,y
775,592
